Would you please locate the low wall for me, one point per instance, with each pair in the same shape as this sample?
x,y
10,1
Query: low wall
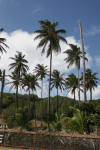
x,y
51,141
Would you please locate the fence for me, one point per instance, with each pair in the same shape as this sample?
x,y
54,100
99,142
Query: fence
x,y
50,141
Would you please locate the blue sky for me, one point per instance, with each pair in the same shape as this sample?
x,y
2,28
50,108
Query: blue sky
x,y
20,19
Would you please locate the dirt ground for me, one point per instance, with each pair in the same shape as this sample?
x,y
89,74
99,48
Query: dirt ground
x,y
2,147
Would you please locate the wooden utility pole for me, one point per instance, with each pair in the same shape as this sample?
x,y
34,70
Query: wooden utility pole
x,y
83,60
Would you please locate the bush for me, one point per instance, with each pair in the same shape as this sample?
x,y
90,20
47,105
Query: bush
x,y
44,128
6,102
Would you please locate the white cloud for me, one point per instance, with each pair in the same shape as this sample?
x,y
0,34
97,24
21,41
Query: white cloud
x,y
97,59
37,9
24,42
92,31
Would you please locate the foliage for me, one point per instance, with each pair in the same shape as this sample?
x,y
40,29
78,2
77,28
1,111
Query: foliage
x,y
64,108
76,122
21,117
7,101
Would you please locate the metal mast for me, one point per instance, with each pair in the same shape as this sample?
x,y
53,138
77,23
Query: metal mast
x,y
83,60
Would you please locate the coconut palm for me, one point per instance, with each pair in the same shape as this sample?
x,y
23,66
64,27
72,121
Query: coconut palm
x,y
2,40
2,79
91,81
74,55
50,36
71,84
19,66
40,70
57,81
29,81
15,83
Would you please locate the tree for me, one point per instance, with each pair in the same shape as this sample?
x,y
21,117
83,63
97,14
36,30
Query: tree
x,y
83,59
2,79
72,84
57,81
76,122
2,40
49,35
15,83
41,71
19,66
29,81
91,81
74,55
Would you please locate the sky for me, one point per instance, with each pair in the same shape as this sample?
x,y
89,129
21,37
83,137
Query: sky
x,y
20,19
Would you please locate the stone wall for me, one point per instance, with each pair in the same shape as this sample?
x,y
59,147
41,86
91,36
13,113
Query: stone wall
x,y
49,141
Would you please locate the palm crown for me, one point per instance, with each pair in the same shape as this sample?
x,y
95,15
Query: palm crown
x,y
2,40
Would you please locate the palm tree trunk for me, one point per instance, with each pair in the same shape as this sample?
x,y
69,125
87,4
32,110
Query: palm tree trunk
x,y
74,97
2,87
15,102
91,95
49,88
29,104
78,86
17,95
83,61
57,100
34,111
41,104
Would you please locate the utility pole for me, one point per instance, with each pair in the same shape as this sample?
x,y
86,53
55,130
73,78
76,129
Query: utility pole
x,y
83,60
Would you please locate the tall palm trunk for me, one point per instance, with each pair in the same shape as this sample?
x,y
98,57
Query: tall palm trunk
x,y
91,95
57,100
29,104
49,88
17,95
15,101
41,104
74,97
34,110
78,86
2,87
83,61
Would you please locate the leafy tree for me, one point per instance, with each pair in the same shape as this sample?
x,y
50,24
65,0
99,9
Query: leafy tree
x,y
76,122
30,81
57,81
19,67
91,81
72,84
15,83
50,35
21,117
2,40
2,79
40,70
74,55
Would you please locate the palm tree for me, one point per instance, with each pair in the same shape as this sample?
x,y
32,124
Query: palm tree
x,y
72,84
49,35
2,40
57,81
91,81
15,83
2,79
30,81
19,66
74,55
41,71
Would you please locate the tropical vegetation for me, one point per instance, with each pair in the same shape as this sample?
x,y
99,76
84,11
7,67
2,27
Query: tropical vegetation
x,y
59,113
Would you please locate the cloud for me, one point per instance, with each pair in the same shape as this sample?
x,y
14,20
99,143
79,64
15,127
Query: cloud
x,y
24,42
92,31
97,59
37,9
